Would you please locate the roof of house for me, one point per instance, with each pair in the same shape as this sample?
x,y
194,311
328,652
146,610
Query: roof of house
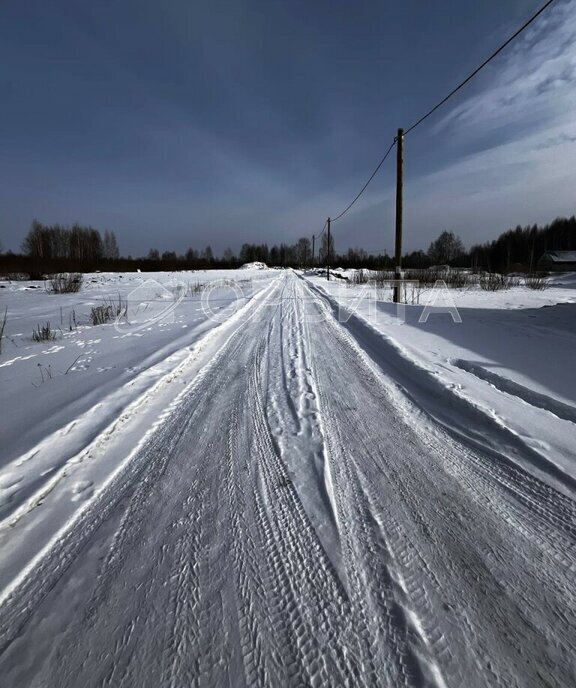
x,y
560,256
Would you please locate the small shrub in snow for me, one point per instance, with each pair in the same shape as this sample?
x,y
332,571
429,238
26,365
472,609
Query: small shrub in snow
x,y
452,278
100,315
43,333
2,326
493,281
195,288
45,373
360,277
382,277
457,279
108,312
536,282
66,282
427,278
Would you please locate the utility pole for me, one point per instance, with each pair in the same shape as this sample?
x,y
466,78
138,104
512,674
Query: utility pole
x,y
399,184
313,251
328,254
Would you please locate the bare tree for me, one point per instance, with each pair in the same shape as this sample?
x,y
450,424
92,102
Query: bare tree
x,y
110,246
324,248
82,244
303,251
445,248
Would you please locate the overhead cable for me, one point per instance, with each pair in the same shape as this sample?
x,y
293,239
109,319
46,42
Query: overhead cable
x,y
471,76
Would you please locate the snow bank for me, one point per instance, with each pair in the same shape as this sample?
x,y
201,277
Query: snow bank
x,y
254,266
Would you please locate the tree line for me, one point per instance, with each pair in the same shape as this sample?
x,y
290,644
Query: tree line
x,y
521,248
76,243
515,250
49,248
58,247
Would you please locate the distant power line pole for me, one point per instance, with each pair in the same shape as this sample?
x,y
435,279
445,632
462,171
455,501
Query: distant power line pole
x,y
328,254
313,250
399,184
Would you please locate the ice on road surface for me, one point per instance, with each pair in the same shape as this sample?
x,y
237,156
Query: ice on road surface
x,y
290,520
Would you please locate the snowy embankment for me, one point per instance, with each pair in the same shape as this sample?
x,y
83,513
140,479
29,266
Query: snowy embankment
x,y
74,408
502,379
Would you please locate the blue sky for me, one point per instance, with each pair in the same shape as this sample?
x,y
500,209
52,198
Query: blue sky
x,y
187,123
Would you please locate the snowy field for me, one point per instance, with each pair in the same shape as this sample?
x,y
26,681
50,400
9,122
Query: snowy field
x,y
502,376
258,477
62,399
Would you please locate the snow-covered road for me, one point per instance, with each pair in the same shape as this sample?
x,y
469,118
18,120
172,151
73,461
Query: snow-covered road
x,y
290,522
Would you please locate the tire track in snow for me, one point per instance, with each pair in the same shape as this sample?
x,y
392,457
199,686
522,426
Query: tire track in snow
x,y
148,464
212,573
500,611
315,599
371,584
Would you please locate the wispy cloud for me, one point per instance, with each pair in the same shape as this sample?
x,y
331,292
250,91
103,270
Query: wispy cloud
x,y
532,87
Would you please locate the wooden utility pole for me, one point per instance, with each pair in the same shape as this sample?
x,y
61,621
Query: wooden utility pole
x,y
399,184
313,251
328,254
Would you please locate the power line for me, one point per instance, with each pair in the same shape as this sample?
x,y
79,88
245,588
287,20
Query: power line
x,y
471,76
365,185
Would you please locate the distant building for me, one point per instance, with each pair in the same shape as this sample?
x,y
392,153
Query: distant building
x,y
560,261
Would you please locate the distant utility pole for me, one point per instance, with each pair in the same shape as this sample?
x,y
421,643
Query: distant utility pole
x,y
312,251
399,183
328,254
